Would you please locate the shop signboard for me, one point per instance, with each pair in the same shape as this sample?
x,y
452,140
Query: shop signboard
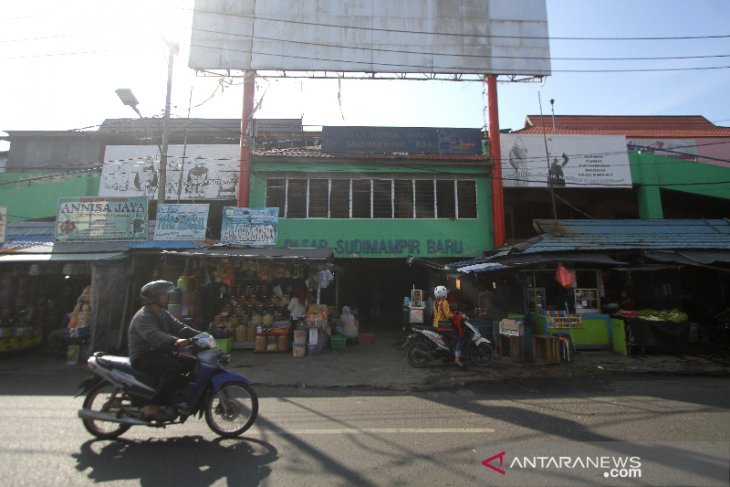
x,y
181,222
194,171
250,226
565,161
423,140
3,219
97,218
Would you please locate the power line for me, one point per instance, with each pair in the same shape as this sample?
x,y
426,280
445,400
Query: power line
x,y
476,56
459,34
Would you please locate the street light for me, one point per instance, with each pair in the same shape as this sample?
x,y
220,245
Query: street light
x,y
128,98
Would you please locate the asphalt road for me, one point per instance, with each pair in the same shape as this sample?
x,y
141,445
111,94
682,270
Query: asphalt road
x,y
348,436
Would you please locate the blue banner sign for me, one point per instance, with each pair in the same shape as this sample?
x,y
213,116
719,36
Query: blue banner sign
x,y
250,226
401,139
181,222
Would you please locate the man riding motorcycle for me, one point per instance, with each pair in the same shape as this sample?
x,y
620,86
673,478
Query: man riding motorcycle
x,y
154,334
444,320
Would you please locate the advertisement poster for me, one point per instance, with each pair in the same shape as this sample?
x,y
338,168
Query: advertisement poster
x,y
194,172
86,218
570,161
181,222
3,220
250,226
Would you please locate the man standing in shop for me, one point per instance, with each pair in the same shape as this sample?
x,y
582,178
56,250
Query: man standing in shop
x,y
154,334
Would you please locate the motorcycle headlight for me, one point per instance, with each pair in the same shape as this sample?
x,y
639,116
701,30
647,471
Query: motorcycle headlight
x,y
212,343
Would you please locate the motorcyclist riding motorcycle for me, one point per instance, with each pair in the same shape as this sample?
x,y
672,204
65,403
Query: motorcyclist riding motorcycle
x,y
447,322
154,335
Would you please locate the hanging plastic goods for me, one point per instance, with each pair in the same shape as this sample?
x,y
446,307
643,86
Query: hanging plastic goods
x,y
240,333
183,283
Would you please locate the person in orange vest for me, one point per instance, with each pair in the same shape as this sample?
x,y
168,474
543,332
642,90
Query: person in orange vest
x,y
444,319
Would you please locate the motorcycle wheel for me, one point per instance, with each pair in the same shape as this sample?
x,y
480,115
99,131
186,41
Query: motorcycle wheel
x,y
482,354
99,399
232,410
415,354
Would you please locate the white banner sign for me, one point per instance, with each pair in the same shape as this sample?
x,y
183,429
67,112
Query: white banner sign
x,y
206,172
181,222
571,161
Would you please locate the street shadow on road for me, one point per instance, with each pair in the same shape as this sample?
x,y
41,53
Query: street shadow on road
x,y
188,460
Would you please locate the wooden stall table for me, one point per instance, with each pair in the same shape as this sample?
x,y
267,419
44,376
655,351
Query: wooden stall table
x,y
545,349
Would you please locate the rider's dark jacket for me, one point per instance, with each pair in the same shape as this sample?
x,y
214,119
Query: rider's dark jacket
x,y
149,331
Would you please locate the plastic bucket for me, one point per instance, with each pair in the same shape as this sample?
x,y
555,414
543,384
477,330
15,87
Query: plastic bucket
x,y
300,337
224,344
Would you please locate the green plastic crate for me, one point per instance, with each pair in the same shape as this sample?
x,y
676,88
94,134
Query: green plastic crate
x,y
337,341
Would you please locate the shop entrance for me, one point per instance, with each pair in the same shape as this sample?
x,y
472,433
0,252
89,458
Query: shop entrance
x,y
376,287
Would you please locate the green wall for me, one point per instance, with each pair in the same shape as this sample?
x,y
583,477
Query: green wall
x,y
651,173
384,238
35,195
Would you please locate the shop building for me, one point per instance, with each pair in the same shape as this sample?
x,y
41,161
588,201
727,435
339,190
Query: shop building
x,y
625,285
680,168
377,211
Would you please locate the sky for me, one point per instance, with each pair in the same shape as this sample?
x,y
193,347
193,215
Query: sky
x,y
61,63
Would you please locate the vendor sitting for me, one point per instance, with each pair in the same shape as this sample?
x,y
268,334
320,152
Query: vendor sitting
x,y
347,325
627,301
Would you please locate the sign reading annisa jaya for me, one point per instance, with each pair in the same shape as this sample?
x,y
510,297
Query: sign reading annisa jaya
x,y
570,161
94,218
373,36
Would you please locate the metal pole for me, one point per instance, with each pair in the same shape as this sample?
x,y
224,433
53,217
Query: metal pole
x,y
495,152
244,170
165,129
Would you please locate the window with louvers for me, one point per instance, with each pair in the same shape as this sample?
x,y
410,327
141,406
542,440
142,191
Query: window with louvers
x,y
360,198
376,198
382,198
276,194
445,199
424,198
297,199
340,198
403,198
318,198
467,191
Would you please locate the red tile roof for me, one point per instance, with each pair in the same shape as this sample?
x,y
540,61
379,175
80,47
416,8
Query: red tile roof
x,y
316,153
669,126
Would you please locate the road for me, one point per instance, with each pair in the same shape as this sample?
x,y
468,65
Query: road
x,y
349,436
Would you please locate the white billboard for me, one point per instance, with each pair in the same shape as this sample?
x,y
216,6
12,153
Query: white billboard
x,y
570,161
205,172
374,36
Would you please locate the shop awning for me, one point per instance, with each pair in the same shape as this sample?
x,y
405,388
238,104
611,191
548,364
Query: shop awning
x,y
691,257
59,257
256,253
517,261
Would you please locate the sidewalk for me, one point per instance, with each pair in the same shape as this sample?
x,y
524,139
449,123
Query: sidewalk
x,y
382,365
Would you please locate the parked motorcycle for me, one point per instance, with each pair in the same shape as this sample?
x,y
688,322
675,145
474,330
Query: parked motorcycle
x,y
116,394
426,344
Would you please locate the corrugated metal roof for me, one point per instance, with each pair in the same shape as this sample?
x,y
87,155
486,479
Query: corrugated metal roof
x,y
602,235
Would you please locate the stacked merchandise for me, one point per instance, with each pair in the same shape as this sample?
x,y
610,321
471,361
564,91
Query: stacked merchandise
x,y
317,324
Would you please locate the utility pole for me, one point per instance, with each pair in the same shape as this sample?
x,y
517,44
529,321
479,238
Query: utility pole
x,y
174,49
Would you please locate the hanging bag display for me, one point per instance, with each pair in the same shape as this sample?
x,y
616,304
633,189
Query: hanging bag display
x,y
564,276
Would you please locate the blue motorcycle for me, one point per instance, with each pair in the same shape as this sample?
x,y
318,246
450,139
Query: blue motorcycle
x,y
117,392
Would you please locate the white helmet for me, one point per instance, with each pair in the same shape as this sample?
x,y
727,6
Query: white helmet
x,y
440,292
